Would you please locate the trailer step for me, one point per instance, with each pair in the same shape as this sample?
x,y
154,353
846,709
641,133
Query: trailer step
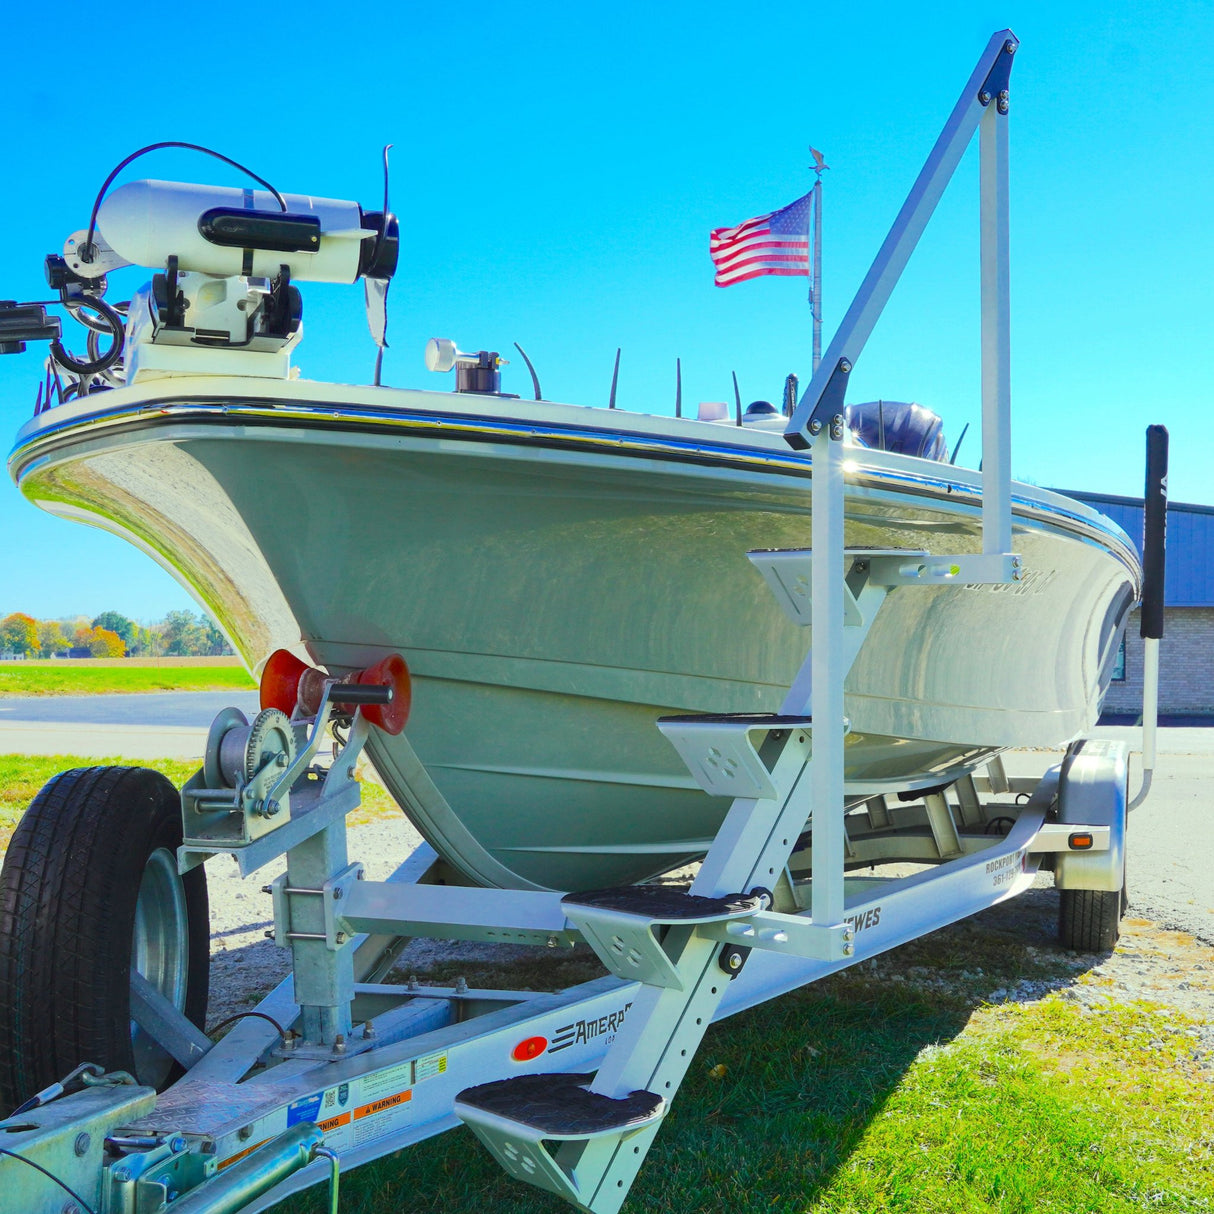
x,y
719,749
558,1106
619,924
551,1132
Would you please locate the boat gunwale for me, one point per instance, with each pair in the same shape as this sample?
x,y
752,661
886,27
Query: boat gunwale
x,y
37,442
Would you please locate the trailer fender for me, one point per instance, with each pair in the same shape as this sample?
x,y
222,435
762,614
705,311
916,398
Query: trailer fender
x,y
1093,791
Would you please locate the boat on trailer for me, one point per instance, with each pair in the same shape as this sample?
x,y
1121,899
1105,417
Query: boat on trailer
x,y
583,649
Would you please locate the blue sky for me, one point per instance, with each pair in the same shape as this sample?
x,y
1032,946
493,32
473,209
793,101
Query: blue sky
x,y
557,169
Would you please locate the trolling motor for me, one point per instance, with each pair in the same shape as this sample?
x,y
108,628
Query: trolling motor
x,y
223,299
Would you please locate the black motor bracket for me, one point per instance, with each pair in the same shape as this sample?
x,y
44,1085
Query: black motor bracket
x,y
20,323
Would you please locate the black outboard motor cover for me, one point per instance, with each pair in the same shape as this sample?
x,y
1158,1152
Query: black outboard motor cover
x,y
907,429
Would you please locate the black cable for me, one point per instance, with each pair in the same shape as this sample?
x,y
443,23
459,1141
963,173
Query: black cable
x,y
84,1205
172,143
110,357
223,1024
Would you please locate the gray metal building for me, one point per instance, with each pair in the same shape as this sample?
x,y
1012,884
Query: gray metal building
x,y
1186,653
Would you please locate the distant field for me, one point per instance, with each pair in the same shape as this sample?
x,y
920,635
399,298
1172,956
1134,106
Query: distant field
x,y
109,676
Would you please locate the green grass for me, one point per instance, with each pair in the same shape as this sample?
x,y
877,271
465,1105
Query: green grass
x,y
21,776
72,679
825,1103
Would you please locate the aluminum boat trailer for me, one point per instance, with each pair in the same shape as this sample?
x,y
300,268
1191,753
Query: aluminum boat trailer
x,y
338,1067
567,1090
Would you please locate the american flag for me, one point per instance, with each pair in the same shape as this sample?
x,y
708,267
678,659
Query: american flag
x,y
768,244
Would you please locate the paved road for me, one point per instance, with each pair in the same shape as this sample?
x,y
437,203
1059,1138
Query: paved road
x,y
1171,837
162,724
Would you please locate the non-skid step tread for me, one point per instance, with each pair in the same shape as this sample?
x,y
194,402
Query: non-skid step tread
x,y
557,1105
665,903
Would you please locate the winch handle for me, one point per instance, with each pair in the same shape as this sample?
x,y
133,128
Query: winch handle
x,y
360,693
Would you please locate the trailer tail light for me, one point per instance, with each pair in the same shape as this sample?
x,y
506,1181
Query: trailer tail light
x,y
1080,840
287,683
530,1048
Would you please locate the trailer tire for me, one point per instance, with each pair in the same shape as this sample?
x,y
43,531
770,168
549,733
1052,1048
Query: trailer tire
x,y
1089,920
88,891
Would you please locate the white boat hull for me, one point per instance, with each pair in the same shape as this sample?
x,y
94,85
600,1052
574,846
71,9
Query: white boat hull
x,y
558,578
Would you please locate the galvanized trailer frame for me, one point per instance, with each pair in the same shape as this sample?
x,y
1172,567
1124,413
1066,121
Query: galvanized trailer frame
x,y
568,1090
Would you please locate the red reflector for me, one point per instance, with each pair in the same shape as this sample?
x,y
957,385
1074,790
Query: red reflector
x,y
533,1047
1080,841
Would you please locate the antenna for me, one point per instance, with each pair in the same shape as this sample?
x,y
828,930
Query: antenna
x,y
678,387
737,399
535,379
964,431
615,376
790,394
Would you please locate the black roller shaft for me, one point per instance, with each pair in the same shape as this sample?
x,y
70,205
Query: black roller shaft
x,y
1154,529
360,693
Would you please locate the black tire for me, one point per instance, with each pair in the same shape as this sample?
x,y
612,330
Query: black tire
x,y
1089,920
94,858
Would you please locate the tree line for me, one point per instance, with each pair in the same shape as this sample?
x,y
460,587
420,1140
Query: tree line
x,y
112,635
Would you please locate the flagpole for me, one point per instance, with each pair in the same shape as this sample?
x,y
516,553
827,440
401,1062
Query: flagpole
x,y
816,289
815,270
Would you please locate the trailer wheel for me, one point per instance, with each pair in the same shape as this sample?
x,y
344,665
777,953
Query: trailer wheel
x,y
1089,920
88,891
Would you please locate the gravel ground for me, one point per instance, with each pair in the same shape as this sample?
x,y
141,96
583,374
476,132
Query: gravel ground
x,y
1006,953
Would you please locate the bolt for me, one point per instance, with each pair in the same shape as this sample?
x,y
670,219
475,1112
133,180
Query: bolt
x,y
1010,46
338,894
281,761
272,807
368,1031
70,1207
267,889
288,1040
984,97
361,874
82,1144
340,937
339,1043
815,427
849,950
177,1144
461,986
844,366
269,935
551,942
245,1133
122,1175
1003,105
